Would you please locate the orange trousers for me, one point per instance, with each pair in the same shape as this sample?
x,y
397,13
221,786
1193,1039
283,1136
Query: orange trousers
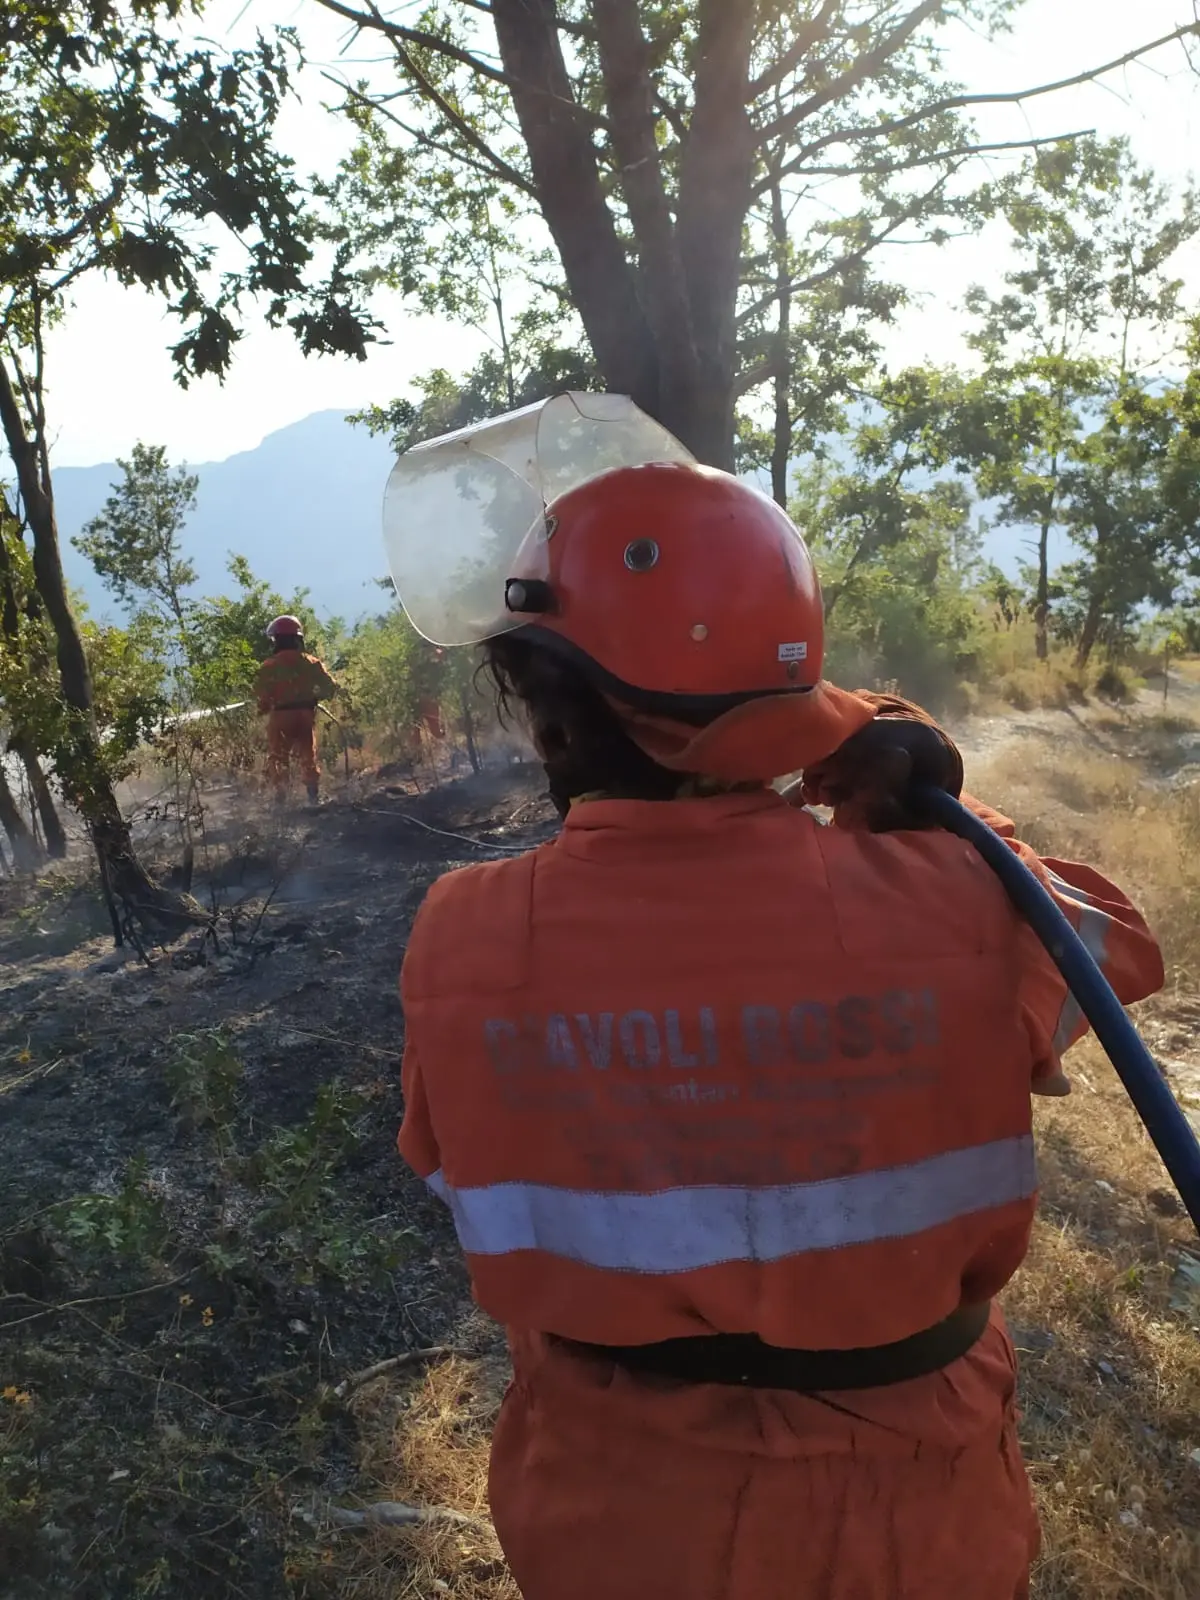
x,y
292,735
607,1487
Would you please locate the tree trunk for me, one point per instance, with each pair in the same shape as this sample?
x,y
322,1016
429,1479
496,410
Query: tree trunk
x,y
715,192
26,855
79,761
706,422
1042,610
666,333
18,744
628,69
570,194
781,453
52,828
1091,631
464,700
1100,585
10,612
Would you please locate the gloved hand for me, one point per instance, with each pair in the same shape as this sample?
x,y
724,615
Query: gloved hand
x,y
867,779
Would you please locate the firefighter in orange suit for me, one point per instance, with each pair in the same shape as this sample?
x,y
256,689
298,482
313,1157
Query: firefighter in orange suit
x,y
290,685
732,1108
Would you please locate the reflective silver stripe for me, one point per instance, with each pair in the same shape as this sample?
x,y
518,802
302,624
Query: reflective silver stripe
x,y
681,1230
1093,930
1061,886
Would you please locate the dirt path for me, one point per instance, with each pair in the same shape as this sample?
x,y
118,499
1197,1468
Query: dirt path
x,y
985,738
1163,741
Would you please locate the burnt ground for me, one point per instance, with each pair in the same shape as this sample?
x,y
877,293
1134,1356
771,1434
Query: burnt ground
x,y
204,1225
205,1229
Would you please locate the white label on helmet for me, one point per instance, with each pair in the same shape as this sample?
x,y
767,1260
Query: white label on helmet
x,y
793,652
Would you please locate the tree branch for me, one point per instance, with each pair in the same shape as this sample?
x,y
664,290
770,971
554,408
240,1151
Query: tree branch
x,y
852,258
761,372
882,130
671,114
576,30
886,169
407,1358
492,165
865,66
92,215
66,279
814,33
418,38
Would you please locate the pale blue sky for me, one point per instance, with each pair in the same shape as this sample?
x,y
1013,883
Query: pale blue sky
x,y
111,374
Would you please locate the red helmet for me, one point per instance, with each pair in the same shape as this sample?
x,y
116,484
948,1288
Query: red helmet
x,y
691,600
286,628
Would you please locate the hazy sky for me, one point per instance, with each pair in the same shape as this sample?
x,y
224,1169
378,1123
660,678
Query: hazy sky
x,y
108,362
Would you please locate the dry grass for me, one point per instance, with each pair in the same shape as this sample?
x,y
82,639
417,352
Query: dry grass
x,y
1108,1329
423,1440
1097,790
1110,1381
1011,675
1110,1446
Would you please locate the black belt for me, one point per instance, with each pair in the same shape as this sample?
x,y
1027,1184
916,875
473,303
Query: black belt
x,y
744,1360
309,705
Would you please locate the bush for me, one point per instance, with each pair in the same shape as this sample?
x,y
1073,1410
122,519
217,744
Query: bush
x,y
1115,684
894,626
1009,670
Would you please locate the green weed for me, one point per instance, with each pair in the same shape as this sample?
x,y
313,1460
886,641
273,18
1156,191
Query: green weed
x,y
129,1225
295,1168
297,1171
204,1075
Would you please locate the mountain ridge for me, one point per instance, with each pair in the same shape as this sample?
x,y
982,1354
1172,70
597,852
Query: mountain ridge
x,y
305,507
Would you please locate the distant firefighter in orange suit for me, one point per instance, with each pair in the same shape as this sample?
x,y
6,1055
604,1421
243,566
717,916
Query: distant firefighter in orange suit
x,y
290,685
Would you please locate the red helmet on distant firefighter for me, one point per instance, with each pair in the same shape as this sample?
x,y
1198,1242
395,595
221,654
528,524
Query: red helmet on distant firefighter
x,y
285,628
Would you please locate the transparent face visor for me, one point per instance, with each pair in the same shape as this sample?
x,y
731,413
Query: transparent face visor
x,y
463,511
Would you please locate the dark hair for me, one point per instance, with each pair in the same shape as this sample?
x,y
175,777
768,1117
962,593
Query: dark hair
x,y
580,737
289,641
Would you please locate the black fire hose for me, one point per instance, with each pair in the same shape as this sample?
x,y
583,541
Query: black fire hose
x,y
1152,1099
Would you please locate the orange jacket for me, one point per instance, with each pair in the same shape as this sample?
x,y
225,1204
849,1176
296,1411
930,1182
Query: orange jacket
x,y
290,681
709,1065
